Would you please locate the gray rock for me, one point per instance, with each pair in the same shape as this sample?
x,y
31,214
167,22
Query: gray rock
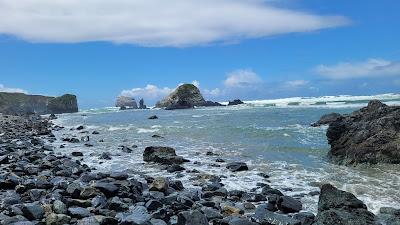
x,y
108,189
59,207
192,218
264,216
33,211
78,212
240,221
138,216
237,166
235,102
162,155
340,207
305,218
369,135
289,205
57,219
211,213
126,102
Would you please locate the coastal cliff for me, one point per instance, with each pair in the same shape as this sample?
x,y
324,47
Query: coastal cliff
x,y
20,104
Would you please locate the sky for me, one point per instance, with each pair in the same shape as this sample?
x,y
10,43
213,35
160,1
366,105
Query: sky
x,y
247,49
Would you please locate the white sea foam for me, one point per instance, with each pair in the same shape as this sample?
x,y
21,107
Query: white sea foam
x,y
144,130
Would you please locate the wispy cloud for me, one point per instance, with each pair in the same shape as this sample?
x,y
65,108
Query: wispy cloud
x,y
12,90
242,78
154,22
365,69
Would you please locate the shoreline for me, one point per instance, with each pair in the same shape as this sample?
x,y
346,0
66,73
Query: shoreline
x,y
63,186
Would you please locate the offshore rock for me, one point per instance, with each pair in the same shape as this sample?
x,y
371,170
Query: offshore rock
x,y
126,102
184,97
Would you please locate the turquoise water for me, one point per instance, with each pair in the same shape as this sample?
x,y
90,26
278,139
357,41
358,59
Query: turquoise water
x,y
277,140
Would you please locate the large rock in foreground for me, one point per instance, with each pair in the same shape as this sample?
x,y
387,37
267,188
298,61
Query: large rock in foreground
x,y
22,104
184,97
369,135
162,155
336,207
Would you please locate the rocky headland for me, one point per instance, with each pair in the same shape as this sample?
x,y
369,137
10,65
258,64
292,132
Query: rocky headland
x,y
39,186
23,104
370,135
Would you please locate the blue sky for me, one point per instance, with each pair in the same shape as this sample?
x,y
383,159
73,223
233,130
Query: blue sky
x,y
248,49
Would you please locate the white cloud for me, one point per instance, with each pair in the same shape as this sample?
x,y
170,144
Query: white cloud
x,y
242,78
154,22
213,92
365,69
13,90
295,83
150,92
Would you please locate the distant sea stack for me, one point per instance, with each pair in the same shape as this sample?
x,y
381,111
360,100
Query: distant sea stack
x,y
370,135
22,104
185,96
125,102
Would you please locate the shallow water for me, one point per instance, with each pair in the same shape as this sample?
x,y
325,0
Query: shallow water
x,y
275,140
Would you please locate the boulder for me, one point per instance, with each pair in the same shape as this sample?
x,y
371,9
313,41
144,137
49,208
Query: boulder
x,y
159,184
289,205
340,207
184,97
162,155
264,216
127,102
33,211
192,218
57,219
153,117
237,166
236,102
370,135
327,119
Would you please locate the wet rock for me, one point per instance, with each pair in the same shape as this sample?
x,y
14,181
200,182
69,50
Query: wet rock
x,y
369,135
241,221
33,211
159,184
192,218
59,207
99,202
74,190
231,211
327,119
153,117
95,132
157,222
156,136
393,220
77,154
78,212
237,166
340,207
89,192
108,189
152,205
80,127
105,156
264,216
57,219
305,218
138,216
389,211
175,168
289,205
267,190
211,213
163,155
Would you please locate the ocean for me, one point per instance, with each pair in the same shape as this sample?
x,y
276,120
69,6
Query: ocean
x,y
272,136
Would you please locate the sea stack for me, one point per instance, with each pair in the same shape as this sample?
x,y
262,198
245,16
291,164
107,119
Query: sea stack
x,y
22,104
184,97
125,102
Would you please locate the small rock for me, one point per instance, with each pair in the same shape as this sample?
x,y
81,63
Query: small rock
x,y
237,166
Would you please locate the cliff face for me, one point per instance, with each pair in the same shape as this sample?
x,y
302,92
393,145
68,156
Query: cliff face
x,y
185,96
19,103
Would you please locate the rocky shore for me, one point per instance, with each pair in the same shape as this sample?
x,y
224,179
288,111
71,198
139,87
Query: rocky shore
x,y
38,186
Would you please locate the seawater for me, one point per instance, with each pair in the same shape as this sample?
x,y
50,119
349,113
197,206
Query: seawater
x,y
271,136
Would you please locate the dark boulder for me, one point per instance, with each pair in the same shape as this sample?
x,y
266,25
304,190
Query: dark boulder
x,y
369,135
340,207
327,119
236,102
153,117
192,218
33,211
237,166
264,216
162,155
289,205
